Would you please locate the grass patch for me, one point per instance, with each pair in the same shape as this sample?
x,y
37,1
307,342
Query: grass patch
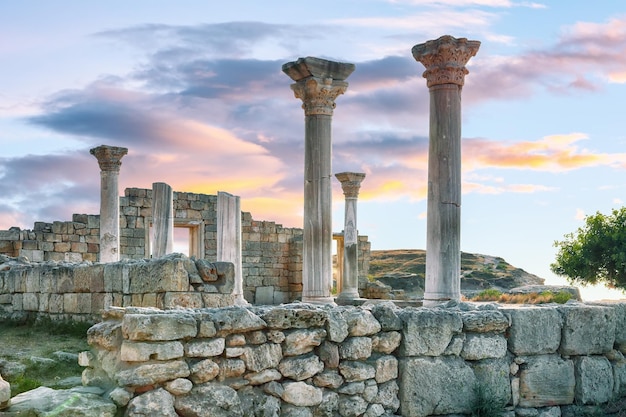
x,y
560,297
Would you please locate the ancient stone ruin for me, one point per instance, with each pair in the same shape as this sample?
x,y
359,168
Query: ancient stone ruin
x,y
247,325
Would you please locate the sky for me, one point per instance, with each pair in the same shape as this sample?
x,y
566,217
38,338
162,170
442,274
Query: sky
x,y
195,91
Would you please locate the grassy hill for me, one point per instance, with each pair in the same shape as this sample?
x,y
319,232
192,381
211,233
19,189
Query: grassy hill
x,y
405,269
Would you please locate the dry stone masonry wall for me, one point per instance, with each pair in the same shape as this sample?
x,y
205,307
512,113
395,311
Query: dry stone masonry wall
x,y
376,360
272,254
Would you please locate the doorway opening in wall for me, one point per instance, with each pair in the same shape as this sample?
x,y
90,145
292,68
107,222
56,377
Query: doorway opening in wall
x,y
188,237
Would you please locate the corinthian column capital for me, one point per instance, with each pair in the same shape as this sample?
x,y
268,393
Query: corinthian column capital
x,y
350,183
445,59
318,83
109,157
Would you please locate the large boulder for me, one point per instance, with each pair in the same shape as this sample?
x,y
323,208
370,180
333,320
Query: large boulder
x,y
5,393
79,401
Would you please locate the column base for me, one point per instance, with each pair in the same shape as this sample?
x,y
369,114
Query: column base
x,y
319,300
434,300
348,295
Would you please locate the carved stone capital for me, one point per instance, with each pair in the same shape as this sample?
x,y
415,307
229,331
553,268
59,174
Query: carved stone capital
x,y
350,183
445,59
318,83
109,157
318,95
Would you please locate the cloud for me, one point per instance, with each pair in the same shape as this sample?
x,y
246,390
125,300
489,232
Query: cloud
x,y
580,214
555,153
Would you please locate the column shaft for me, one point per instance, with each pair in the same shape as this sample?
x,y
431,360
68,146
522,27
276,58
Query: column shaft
x,y
443,234
229,238
162,219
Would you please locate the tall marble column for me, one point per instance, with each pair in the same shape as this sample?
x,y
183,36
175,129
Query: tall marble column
x,y
110,160
229,238
318,82
350,183
162,219
445,60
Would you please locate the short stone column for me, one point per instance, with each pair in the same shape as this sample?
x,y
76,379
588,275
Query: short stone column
x,y
162,219
350,183
445,60
229,238
318,83
110,160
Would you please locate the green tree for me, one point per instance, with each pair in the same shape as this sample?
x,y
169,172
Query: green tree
x,y
596,252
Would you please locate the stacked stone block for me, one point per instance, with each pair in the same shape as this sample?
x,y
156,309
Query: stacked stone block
x,y
82,292
377,360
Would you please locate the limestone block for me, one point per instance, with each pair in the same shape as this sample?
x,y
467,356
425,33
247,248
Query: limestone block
x,y
619,309
534,330
218,300
546,380
143,352
484,321
352,388
336,326
456,345
167,273
329,405
30,302
292,316
387,396
152,373
301,394
387,315
258,358
183,300
266,375
300,368
352,406
156,402
492,376
209,399
230,368
386,368
328,379
158,327
356,371
120,396
594,379
428,331
207,328
329,354
355,348
479,346
442,385
113,273
301,341
179,386
256,337
619,378
235,320
204,371
264,296
587,329
200,348
361,322
386,342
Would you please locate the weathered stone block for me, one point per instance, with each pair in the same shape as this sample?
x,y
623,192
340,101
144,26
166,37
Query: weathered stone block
x,y
159,275
546,380
301,367
209,399
587,329
594,379
158,327
479,346
205,348
301,394
30,302
427,332
301,341
143,352
386,368
204,371
361,322
386,342
435,386
484,321
262,357
295,317
156,402
152,373
356,371
492,377
534,330
235,320
183,300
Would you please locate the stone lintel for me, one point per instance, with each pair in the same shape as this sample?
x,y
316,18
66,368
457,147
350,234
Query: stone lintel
x,y
317,67
445,59
109,157
350,183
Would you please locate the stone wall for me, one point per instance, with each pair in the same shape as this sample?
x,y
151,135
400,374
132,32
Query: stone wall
x,y
377,360
81,292
272,254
